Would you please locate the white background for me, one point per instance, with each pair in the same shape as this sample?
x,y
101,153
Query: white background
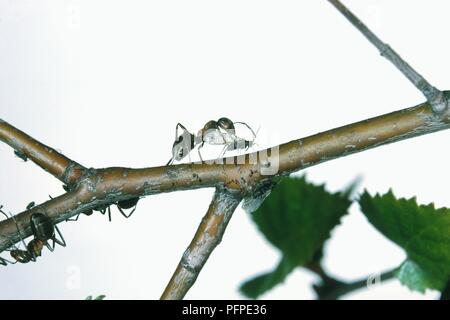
x,y
107,81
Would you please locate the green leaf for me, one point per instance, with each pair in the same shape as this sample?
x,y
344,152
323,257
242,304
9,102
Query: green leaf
x,y
262,283
297,218
422,231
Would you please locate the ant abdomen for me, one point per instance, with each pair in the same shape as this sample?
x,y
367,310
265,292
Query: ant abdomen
x,y
128,204
21,256
42,227
226,124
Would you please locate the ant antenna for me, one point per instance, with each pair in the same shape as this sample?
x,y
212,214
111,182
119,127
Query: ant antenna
x,y
17,226
254,139
9,239
253,132
1,207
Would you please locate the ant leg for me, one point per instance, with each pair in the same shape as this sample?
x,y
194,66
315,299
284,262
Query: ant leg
x,y
170,161
243,123
198,150
179,125
74,219
3,213
13,246
5,262
124,214
61,242
49,247
107,209
18,230
224,150
32,256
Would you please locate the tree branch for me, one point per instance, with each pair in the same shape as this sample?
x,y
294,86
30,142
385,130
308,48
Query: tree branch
x,y
208,236
63,168
233,177
245,173
433,95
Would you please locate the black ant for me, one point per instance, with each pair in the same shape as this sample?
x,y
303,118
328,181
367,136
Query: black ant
x,y
43,230
220,132
33,249
103,209
121,205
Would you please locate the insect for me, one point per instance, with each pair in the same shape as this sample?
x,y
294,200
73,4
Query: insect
x,y
32,204
33,249
220,132
45,230
121,205
103,209
5,262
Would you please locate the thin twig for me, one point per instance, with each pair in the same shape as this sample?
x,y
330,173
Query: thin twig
x,y
107,186
208,236
433,95
332,289
55,163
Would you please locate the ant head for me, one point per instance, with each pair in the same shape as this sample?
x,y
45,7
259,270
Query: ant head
x,y
225,124
180,148
21,256
35,247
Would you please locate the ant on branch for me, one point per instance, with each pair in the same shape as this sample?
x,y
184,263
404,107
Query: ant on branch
x,y
220,132
43,230
121,205
103,209
33,249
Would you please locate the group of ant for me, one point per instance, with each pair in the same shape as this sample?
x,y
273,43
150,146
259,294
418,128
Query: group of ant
x,y
220,132
45,231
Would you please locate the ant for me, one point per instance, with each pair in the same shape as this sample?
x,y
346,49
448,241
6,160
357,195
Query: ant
x,y
220,132
33,249
43,230
121,205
